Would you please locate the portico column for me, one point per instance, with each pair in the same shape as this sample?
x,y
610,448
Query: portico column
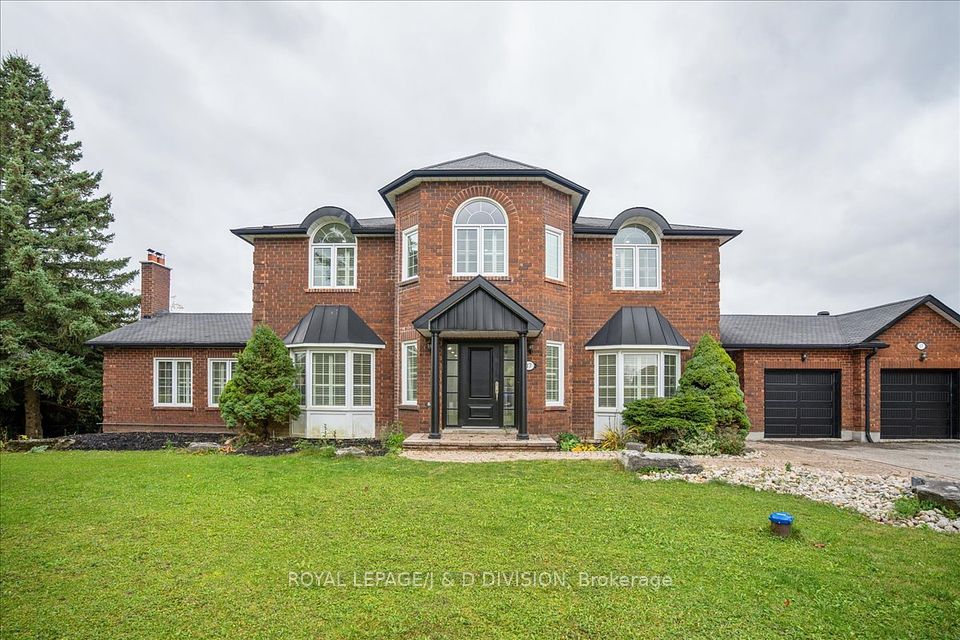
x,y
435,385
522,389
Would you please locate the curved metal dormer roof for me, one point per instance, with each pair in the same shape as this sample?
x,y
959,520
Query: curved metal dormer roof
x,y
359,226
608,227
333,325
637,327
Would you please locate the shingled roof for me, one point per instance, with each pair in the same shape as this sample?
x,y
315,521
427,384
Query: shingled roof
x,y
480,161
181,330
855,329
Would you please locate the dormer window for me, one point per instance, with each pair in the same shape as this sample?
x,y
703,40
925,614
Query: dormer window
x,y
480,239
636,258
333,261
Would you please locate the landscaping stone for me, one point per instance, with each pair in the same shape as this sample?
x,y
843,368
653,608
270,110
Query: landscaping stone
x,y
28,445
636,446
873,496
945,494
350,452
198,447
637,460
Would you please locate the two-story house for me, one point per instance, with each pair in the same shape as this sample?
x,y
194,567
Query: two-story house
x,y
486,301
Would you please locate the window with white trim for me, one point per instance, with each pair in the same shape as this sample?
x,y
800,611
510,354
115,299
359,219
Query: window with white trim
x,y
300,364
219,373
408,380
636,258
553,373
335,378
333,257
553,254
173,382
411,253
480,239
622,376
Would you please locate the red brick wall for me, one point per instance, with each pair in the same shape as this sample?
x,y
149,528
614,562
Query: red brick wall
x,y
922,325
281,296
689,299
529,206
752,363
154,288
128,392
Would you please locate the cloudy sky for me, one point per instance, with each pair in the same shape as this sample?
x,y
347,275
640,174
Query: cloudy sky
x,y
829,133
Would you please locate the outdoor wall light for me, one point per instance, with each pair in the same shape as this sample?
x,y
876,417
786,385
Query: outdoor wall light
x,y
922,348
923,356
803,357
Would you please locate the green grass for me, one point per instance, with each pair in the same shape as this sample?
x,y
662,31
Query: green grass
x,y
165,544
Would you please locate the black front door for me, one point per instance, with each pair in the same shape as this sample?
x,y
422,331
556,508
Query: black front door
x,y
480,385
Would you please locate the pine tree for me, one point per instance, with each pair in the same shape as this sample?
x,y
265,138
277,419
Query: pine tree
x,y
57,290
710,370
262,395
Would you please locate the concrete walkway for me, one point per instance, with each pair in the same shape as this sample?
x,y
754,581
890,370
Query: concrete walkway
x,y
929,459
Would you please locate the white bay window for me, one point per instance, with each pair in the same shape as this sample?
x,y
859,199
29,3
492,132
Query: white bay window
x,y
624,375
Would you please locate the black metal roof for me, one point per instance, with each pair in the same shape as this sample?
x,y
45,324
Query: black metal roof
x,y
332,324
482,165
638,326
479,306
610,227
181,330
359,226
852,330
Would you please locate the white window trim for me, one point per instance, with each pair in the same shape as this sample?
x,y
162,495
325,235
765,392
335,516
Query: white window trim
x,y
636,258
347,377
620,353
403,371
561,364
156,382
559,233
231,363
479,228
404,254
333,256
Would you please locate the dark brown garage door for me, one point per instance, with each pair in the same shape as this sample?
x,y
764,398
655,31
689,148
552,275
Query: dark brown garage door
x,y
801,404
918,403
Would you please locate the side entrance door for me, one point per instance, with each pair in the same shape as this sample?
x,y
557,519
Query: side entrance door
x,y
481,385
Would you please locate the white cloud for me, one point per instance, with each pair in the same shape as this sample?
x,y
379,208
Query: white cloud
x,y
829,133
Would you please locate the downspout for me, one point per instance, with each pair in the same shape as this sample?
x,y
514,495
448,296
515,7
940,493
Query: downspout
x,y
866,388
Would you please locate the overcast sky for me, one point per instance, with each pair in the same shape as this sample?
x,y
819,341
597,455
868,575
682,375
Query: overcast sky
x,y
829,133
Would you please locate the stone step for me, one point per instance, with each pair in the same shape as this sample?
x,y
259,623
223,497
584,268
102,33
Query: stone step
x,y
474,441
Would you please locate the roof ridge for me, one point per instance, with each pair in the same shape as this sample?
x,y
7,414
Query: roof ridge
x,y
477,155
883,306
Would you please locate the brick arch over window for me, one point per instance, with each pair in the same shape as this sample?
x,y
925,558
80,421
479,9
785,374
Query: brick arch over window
x,y
479,191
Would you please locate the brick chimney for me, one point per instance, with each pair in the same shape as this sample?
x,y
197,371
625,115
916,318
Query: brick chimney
x,y
154,285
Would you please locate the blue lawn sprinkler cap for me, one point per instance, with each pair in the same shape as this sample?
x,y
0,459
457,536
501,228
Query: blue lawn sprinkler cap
x,y
781,517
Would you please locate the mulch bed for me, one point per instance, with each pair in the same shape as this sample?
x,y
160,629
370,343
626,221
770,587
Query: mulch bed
x,y
140,441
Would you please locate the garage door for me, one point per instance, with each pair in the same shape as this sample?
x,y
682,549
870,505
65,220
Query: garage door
x,y
917,403
801,404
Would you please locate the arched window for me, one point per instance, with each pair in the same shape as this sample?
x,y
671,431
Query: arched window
x,y
636,258
480,239
333,252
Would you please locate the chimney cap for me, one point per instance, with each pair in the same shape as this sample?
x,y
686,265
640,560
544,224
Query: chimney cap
x,y
823,313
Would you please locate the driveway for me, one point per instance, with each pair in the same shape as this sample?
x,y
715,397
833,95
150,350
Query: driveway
x,y
931,459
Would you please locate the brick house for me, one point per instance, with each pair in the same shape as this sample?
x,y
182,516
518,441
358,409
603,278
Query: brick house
x,y
486,301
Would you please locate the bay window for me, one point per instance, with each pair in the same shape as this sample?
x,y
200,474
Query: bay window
x,y
622,376
334,379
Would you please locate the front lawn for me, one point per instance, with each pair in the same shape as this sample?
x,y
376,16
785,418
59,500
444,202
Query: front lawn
x,y
165,544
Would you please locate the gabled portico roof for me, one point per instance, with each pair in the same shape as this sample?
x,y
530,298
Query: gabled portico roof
x,y
478,309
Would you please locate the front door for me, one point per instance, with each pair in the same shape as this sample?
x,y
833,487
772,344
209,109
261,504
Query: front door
x,y
480,385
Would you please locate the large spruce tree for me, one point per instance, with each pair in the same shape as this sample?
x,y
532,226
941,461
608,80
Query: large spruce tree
x,y
56,288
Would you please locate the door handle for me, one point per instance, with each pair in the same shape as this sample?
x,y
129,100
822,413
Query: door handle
x,y
496,390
